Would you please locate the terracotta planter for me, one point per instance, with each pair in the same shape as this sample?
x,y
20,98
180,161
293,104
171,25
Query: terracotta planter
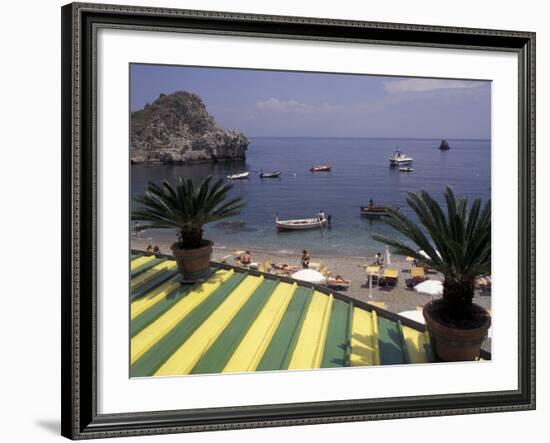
x,y
453,344
194,264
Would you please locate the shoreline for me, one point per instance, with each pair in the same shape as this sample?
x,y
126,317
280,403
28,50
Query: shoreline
x,y
395,299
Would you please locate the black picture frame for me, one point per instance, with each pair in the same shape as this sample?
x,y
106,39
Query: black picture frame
x,y
79,174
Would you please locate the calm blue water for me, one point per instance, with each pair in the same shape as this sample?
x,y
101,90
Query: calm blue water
x,y
360,172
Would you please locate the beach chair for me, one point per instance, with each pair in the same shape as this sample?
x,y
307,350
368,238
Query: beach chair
x,y
315,266
378,304
418,274
374,273
391,276
483,284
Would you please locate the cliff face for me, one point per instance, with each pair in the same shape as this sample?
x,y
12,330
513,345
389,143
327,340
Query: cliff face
x,y
177,128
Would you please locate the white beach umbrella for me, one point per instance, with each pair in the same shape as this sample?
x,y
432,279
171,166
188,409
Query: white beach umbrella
x,y
387,260
413,315
310,276
430,287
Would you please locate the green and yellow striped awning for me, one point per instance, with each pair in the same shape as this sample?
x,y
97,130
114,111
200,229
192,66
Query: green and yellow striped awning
x,y
239,320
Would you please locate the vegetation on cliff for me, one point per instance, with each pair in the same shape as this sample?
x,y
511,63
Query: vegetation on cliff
x,y
177,128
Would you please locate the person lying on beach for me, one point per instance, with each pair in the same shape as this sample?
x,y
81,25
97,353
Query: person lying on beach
x,y
245,259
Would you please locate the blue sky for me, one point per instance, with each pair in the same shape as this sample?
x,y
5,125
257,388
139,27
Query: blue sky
x,y
301,104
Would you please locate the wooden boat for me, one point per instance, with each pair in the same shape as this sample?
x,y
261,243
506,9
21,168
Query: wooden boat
x,y
270,174
321,168
444,146
407,169
300,224
239,176
373,211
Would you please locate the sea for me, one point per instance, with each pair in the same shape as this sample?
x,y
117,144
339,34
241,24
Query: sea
x,y
360,172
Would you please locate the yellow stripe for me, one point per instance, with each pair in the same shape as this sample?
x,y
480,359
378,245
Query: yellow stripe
x,y
363,345
184,359
152,297
324,332
143,341
305,355
140,261
150,273
415,345
158,294
252,348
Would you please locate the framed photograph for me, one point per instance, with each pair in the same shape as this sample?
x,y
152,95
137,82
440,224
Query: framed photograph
x,y
273,221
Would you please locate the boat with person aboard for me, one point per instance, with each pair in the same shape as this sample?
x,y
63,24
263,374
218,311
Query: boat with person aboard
x,y
238,176
374,211
274,174
400,159
300,224
321,168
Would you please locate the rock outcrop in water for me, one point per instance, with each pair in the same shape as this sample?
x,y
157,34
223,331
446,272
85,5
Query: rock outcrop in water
x,y
176,128
444,146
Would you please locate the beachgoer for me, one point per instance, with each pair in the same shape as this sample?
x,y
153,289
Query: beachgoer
x,y
137,229
149,249
329,219
321,215
246,259
156,250
305,259
378,259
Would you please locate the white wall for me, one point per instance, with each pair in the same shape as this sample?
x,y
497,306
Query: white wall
x,y
30,221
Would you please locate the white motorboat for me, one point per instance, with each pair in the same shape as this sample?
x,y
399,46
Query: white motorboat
x,y
238,176
400,159
300,224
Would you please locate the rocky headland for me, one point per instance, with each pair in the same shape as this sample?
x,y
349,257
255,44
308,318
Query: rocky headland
x,y
177,129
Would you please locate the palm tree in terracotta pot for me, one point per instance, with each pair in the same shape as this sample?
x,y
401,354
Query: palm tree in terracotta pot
x,y
456,241
187,209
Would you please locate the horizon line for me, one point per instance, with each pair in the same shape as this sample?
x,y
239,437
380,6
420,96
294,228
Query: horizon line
x,y
372,138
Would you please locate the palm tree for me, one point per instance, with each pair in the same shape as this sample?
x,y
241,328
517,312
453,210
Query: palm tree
x,y
457,243
186,208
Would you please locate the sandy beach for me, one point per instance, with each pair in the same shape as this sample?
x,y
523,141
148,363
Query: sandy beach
x,y
396,299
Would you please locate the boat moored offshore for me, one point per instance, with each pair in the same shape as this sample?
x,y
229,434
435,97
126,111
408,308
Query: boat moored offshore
x,y
275,174
239,176
400,159
300,224
321,168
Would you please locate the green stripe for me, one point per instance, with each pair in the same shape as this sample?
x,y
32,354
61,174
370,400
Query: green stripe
x,y
336,346
146,266
349,335
167,345
390,342
215,359
279,351
150,315
153,283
